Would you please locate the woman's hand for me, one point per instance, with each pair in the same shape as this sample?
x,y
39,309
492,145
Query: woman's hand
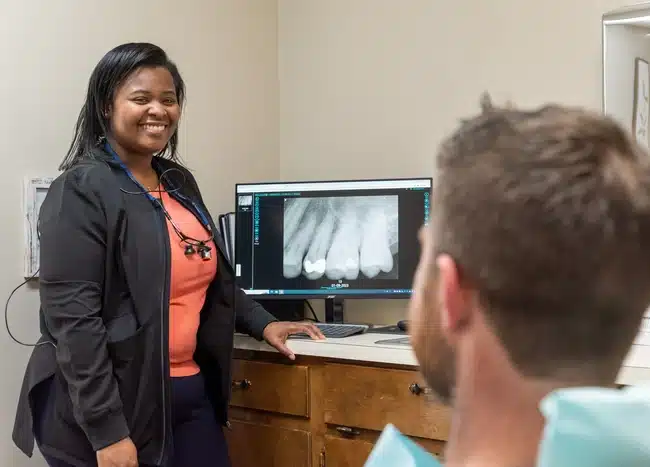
x,y
121,454
277,332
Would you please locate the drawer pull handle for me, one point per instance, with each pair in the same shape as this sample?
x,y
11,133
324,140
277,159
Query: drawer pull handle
x,y
347,431
242,384
416,389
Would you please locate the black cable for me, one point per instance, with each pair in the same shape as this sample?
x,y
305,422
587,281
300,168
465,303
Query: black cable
x,y
26,281
160,180
311,308
33,277
193,242
182,236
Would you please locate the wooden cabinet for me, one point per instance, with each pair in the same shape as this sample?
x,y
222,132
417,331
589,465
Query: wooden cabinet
x,y
272,387
369,398
317,412
264,445
343,452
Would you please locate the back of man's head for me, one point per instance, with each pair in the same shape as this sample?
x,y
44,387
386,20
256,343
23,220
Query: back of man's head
x,y
546,216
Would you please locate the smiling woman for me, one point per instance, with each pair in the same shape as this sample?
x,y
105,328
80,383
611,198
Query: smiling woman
x,y
137,298
132,86
145,112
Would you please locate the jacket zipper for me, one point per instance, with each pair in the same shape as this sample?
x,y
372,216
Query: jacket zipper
x,y
164,302
229,380
163,336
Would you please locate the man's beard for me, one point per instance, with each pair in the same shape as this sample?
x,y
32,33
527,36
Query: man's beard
x,y
439,369
436,357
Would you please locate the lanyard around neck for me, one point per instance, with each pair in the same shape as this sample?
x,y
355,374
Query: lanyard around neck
x,y
202,217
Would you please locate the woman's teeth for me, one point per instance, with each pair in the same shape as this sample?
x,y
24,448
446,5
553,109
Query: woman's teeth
x,y
154,127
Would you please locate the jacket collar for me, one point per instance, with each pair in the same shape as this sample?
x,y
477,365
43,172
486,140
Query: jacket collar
x,y
103,152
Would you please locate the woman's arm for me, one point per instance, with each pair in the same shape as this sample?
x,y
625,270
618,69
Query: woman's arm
x,y
73,232
253,319
250,317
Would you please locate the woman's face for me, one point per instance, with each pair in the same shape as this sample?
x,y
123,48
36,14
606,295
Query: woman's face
x,y
145,112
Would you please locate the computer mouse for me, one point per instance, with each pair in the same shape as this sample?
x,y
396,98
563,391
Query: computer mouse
x,y
402,325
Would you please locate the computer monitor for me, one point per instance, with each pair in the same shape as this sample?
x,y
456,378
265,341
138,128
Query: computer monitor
x,y
329,239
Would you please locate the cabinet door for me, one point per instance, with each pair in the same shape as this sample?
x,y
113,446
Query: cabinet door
x,y
256,445
344,452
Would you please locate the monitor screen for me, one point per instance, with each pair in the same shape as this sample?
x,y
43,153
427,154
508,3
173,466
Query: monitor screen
x,y
327,239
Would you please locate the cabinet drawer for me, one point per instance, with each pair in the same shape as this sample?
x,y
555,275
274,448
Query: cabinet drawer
x,y
354,452
342,452
254,445
272,387
369,398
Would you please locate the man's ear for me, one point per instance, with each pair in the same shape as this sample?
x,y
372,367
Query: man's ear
x,y
454,306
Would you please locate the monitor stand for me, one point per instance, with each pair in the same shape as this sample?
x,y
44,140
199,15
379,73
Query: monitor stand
x,y
334,310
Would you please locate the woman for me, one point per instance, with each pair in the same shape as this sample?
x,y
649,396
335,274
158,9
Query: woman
x,y
138,304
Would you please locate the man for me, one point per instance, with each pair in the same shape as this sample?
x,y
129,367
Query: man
x,y
534,273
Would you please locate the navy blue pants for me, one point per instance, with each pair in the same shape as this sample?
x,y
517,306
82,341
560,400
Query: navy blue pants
x,y
198,439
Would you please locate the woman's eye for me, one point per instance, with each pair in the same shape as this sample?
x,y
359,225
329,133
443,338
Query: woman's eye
x,y
140,100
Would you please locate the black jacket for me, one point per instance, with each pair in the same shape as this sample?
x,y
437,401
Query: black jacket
x,y
101,372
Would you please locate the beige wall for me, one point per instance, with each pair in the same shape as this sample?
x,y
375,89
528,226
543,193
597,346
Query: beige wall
x,y
369,87
227,52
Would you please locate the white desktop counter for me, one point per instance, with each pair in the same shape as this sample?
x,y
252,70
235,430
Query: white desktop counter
x,y
362,348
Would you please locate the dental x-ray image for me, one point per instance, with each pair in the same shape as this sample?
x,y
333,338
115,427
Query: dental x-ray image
x,y
339,238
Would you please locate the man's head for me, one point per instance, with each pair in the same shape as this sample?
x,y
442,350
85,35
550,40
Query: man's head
x,y
538,251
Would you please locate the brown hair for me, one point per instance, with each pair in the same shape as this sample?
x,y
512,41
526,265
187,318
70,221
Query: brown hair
x,y
547,214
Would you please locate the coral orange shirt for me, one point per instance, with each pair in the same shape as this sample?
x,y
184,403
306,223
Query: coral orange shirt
x,y
190,278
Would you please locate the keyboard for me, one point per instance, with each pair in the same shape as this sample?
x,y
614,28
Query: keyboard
x,y
331,330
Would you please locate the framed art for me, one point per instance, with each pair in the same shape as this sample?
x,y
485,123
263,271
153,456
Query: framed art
x,y
34,191
641,101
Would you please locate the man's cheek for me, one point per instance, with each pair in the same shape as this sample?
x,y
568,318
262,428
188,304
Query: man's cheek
x,y
415,302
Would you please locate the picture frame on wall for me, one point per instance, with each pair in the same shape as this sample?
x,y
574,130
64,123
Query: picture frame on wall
x,y
641,101
34,191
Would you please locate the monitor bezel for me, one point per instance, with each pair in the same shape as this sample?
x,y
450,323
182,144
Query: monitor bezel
x,y
329,295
